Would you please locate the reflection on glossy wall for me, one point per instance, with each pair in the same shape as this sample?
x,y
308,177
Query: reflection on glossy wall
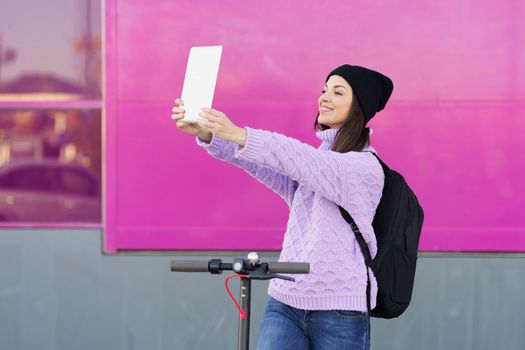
x,y
50,166
50,50
50,112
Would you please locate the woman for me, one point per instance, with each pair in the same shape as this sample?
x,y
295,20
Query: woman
x,y
326,309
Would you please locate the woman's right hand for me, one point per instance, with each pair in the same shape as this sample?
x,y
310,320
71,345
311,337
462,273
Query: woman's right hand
x,y
193,129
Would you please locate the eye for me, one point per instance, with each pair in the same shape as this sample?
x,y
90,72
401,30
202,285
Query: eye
x,y
338,93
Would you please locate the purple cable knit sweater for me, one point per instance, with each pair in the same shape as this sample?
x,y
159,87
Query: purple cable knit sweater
x,y
313,182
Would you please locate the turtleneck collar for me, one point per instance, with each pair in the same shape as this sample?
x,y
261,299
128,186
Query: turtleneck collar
x,y
328,138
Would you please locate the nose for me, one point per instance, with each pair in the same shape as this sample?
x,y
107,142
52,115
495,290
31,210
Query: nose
x,y
324,96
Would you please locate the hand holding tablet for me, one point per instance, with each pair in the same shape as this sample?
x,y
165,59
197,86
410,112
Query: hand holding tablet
x,y
192,129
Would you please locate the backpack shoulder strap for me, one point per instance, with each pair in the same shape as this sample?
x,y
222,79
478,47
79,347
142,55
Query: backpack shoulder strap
x,y
358,236
364,250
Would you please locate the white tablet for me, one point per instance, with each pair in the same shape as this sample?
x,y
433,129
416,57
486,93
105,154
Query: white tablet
x,y
199,82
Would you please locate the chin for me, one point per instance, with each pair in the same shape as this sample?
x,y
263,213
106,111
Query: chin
x,y
324,122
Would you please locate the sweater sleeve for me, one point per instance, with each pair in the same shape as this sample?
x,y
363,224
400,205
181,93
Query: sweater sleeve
x,y
344,178
281,184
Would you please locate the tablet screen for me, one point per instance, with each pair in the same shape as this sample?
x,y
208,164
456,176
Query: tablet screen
x,y
200,79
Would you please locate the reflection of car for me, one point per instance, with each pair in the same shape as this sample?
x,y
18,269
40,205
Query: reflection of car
x,y
48,191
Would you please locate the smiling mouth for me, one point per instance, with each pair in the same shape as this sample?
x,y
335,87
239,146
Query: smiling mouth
x,y
325,110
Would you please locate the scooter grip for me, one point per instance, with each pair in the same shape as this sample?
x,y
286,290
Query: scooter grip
x,y
288,267
190,266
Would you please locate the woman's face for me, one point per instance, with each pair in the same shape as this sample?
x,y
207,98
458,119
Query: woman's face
x,y
334,103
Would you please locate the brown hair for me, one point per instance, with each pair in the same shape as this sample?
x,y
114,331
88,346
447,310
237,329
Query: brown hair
x,y
353,135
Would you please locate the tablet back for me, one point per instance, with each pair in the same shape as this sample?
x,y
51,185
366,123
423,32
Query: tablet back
x,y
200,79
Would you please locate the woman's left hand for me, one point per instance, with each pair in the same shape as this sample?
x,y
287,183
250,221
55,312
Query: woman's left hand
x,y
221,126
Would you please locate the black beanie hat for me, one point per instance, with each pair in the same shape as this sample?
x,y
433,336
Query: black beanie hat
x,y
372,89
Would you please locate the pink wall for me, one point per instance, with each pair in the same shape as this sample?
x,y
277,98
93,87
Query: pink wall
x,y
452,126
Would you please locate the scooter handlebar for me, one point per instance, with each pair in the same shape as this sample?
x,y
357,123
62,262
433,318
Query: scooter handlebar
x,y
288,267
190,266
204,266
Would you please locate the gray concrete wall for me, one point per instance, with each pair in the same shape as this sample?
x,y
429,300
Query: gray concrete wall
x,y
58,291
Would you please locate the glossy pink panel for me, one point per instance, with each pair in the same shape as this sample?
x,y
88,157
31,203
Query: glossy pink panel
x,y
179,184
466,163
280,50
453,126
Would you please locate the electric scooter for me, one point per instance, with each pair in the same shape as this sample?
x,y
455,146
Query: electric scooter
x,y
247,269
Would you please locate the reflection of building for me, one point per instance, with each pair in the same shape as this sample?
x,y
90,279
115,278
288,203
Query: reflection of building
x,y
38,134
40,83
40,87
7,55
29,147
66,135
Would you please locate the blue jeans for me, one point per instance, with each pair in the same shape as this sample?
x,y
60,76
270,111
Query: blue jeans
x,y
284,327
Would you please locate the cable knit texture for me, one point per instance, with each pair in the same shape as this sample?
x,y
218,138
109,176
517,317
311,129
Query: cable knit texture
x,y
313,182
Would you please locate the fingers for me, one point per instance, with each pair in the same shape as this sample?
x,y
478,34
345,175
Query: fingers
x,y
206,124
213,112
213,120
177,116
181,124
210,117
207,113
210,124
205,116
177,113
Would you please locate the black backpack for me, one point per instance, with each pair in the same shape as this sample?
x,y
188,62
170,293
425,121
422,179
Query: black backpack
x,y
397,225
